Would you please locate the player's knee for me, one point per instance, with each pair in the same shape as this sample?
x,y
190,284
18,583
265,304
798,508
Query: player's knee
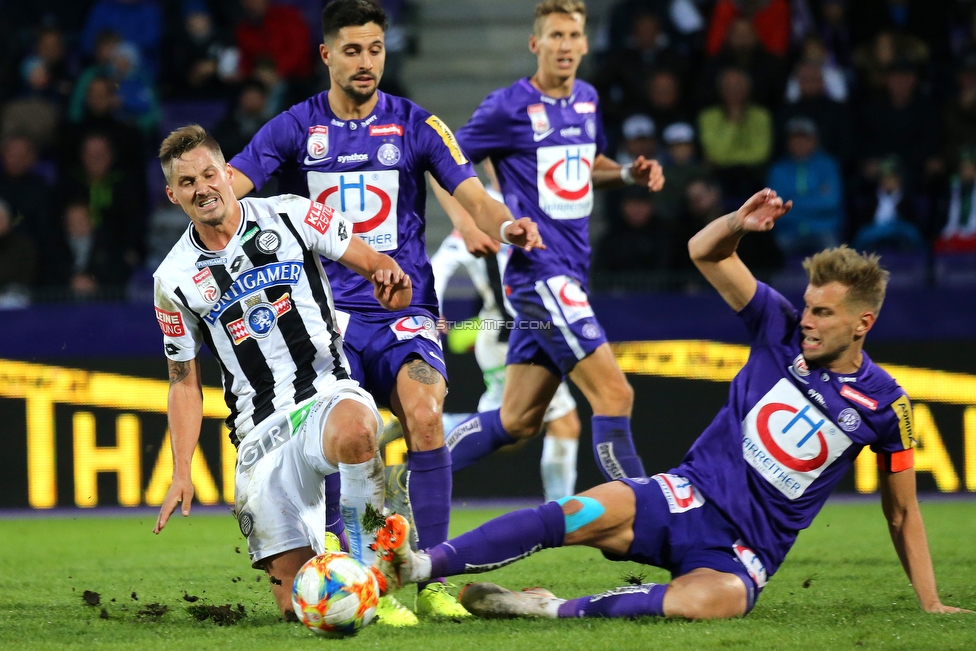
x,y
356,442
522,426
425,425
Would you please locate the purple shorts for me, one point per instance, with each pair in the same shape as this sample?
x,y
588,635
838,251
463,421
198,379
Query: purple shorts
x,y
676,529
554,325
376,348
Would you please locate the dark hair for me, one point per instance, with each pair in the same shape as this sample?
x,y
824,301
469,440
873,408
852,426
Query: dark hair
x,y
349,13
185,139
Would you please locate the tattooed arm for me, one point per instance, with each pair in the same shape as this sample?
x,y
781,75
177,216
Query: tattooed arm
x,y
185,418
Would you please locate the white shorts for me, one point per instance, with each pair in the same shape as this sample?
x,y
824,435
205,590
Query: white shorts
x,y
279,496
491,354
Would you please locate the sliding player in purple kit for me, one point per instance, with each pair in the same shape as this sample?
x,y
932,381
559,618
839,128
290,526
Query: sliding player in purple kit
x,y
544,137
365,153
799,413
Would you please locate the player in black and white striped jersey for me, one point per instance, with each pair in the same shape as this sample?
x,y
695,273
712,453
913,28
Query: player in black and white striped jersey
x,y
247,281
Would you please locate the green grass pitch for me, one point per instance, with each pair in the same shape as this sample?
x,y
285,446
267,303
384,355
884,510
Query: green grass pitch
x,y
840,588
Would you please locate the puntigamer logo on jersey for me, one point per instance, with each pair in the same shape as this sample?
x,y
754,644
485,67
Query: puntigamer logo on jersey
x,y
253,281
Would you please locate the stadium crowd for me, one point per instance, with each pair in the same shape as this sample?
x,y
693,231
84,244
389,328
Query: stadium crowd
x,y
863,113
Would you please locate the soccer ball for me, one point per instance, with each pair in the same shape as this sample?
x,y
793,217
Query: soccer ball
x,y
334,594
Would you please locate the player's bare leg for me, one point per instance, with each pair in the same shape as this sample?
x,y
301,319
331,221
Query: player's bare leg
x,y
610,395
418,402
281,570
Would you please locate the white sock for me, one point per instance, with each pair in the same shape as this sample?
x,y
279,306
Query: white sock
x,y
558,467
362,483
419,567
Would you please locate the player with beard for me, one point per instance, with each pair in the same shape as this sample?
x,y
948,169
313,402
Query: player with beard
x,y
365,154
800,411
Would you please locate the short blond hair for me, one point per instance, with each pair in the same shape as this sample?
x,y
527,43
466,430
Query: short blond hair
x,y
861,273
185,139
546,7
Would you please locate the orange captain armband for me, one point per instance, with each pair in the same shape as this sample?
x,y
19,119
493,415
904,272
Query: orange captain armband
x,y
896,461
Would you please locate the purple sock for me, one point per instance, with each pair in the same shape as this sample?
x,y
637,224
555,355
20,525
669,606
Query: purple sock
x,y
429,488
629,601
501,541
333,514
475,438
613,448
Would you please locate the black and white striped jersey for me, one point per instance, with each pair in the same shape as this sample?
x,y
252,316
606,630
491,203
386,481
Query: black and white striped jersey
x,y
262,305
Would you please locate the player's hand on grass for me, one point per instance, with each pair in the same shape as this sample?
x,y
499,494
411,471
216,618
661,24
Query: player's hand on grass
x,y
524,233
941,609
391,287
478,244
647,172
760,211
180,492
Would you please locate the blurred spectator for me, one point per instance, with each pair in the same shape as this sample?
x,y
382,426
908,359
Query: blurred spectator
x,y
66,15
236,130
623,76
279,97
835,31
736,136
36,112
97,115
834,80
664,100
832,118
811,178
277,31
641,242
887,221
742,49
105,45
959,112
137,95
681,167
167,223
139,22
45,69
640,139
903,123
28,195
680,20
17,262
769,18
89,259
922,20
873,59
957,219
200,63
115,203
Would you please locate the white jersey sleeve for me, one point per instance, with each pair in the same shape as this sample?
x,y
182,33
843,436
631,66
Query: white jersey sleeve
x,y
181,330
323,229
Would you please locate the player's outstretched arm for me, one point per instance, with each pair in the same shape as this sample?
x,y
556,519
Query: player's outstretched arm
x,y
609,174
712,249
477,243
900,505
494,218
391,287
185,412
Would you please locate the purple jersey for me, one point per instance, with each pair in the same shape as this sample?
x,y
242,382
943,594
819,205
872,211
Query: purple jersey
x,y
788,433
370,170
543,149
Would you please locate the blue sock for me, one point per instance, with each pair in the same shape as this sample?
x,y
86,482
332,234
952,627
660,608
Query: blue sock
x,y
501,541
333,512
629,601
613,448
476,438
429,487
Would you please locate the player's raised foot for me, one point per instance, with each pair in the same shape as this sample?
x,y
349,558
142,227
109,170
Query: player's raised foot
x,y
397,497
435,601
390,612
493,601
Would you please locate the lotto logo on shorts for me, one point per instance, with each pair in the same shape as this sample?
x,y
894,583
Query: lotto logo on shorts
x,y
749,560
415,326
679,493
171,323
319,217
789,441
